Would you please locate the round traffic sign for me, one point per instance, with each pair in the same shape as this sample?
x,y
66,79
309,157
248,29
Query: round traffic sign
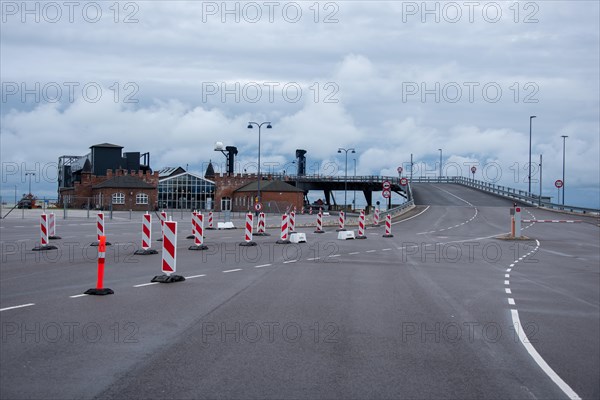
x,y
258,206
386,193
404,181
386,184
473,169
558,183
400,169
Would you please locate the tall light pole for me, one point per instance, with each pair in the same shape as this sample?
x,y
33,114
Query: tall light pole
x,y
529,175
346,174
29,174
354,202
563,185
440,163
259,126
540,199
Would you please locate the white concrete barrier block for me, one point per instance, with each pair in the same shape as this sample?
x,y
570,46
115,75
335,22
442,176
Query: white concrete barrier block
x,y
326,213
345,235
298,237
225,225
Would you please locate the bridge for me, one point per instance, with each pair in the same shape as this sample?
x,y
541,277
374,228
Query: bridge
x,y
447,308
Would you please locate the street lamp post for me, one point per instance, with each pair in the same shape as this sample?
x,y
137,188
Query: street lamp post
x,y
346,174
540,199
440,163
354,202
529,175
258,172
29,174
563,179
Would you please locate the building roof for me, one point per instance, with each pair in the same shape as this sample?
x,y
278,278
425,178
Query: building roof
x,y
269,186
107,145
210,171
166,178
124,181
169,171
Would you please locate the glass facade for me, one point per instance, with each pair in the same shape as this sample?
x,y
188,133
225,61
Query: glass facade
x,y
186,191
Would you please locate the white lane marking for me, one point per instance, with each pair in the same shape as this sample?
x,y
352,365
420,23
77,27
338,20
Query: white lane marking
x,y
334,255
507,275
232,270
539,360
195,276
146,284
354,253
14,307
511,265
290,261
262,266
511,301
508,291
508,269
78,295
370,251
385,249
506,282
414,216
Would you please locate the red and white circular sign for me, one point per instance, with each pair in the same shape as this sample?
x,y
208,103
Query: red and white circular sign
x,y
404,181
400,169
386,193
386,184
558,183
258,206
473,169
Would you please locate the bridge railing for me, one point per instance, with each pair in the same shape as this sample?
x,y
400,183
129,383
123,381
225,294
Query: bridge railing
x,y
507,192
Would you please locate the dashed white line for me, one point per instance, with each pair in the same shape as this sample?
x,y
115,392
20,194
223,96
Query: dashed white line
x,y
511,301
232,270
507,275
508,269
195,276
370,251
334,255
511,265
385,249
146,284
78,295
539,360
506,282
262,266
354,253
20,306
508,291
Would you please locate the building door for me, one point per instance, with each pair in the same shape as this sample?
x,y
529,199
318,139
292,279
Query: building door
x,y
226,204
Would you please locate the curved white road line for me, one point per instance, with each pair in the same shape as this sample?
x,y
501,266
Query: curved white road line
x,y
414,216
15,307
539,360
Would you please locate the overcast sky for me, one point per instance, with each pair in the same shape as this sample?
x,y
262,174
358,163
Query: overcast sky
x,y
386,78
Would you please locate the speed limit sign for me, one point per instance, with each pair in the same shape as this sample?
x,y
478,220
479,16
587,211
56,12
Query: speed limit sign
x,y
400,170
258,207
403,181
386,193
558,183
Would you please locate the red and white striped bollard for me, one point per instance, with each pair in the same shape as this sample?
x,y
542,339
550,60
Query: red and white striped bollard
x,y
100,229
146,236
292,222
283,238
361,225
248,231
376,217
388,226
44,235
342,222
169,255
198,233
319,223
211,225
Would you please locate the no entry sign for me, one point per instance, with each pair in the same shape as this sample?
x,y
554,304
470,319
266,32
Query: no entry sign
x,y
558,183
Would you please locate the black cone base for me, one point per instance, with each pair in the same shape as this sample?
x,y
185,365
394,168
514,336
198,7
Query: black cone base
x,y
54,237
317,231
248,244
201,247
283,242
159,240
210,229
44,248
168,278
341,230
99,292
96,244
360,237
262,234
190,237
147,252
388,236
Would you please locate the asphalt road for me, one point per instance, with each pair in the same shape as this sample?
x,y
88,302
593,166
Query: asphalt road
x,y
429,313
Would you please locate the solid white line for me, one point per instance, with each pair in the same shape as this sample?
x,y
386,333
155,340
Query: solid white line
x,y
511,301
78,295
195,276
146,284
232,270
508,291
414,216
539,360
13,307
262,266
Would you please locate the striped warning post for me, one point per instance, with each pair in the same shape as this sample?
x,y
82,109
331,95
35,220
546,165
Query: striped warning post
x,y
146,236
283,238
310,211
342,222
211,225
44,235
361,225
52,227
198,233
100,230
261,225
169,255
388,226
163,218
193,235
319,223
248,231
100,290
292,221
376,217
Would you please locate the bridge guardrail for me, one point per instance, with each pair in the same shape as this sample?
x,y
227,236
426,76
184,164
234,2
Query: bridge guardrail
x,y
507,192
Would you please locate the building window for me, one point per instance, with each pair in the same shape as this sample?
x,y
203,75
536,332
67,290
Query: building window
x,y
226,204
118,198
141,198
